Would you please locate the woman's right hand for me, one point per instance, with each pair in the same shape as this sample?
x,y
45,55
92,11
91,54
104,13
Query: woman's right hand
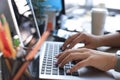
x,y
90,41
87,57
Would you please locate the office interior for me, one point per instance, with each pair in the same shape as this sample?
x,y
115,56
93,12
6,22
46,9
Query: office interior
x,y
65,18
68,17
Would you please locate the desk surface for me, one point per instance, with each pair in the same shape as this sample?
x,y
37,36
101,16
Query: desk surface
x,y
83,23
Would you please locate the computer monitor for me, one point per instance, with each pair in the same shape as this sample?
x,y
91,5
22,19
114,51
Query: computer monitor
x,y
63,6
26,20
74,7
20,17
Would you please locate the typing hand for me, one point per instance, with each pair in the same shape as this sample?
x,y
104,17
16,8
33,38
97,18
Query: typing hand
x,y
87,57
90,41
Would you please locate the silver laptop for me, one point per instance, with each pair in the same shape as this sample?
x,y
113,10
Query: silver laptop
x,y
49,70
21,18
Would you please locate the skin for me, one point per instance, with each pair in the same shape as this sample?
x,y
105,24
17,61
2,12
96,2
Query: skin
x,y
86,56
92,41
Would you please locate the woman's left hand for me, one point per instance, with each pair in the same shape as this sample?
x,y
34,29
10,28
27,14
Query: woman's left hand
x,y
87,57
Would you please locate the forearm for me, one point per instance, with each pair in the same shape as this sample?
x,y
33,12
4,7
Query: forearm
x,y
112,40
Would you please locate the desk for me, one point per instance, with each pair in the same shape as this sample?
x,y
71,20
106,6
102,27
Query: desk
x,y
83,23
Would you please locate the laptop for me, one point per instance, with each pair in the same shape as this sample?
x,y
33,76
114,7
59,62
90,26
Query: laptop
x,y
21,18
50,71
47,68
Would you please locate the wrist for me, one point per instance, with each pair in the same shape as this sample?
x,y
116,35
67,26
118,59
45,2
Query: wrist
x,y
106,40
111,39
102,41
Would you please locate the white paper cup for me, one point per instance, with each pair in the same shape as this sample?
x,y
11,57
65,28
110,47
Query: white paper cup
x,y
98,20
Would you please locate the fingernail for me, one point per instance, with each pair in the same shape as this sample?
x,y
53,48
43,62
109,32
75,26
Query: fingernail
x,y
68,71
63,48
59,65
56,56
56,64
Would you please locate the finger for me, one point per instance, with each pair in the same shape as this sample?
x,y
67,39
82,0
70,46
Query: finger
x,y
58,55
73,56
73,51
79,65
68,41
75,41
66,60
63,55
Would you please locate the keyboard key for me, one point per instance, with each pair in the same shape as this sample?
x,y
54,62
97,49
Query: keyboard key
x,y
68,73
75,74
73,62
55,65
55,72
61,71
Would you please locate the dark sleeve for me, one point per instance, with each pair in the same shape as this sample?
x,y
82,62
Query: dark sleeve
x,y
117,66
117,30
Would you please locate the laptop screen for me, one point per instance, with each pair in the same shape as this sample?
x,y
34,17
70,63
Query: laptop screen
x,y
26,21
21,19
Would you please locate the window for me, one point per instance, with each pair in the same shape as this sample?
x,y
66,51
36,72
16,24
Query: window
x,y
112,4
75,7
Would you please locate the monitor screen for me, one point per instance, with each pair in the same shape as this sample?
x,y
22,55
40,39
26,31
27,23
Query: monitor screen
x,y
74,7
53,4
26,21
112,4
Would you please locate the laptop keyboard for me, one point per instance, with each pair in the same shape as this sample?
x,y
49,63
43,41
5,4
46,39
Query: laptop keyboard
x,y
49,67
